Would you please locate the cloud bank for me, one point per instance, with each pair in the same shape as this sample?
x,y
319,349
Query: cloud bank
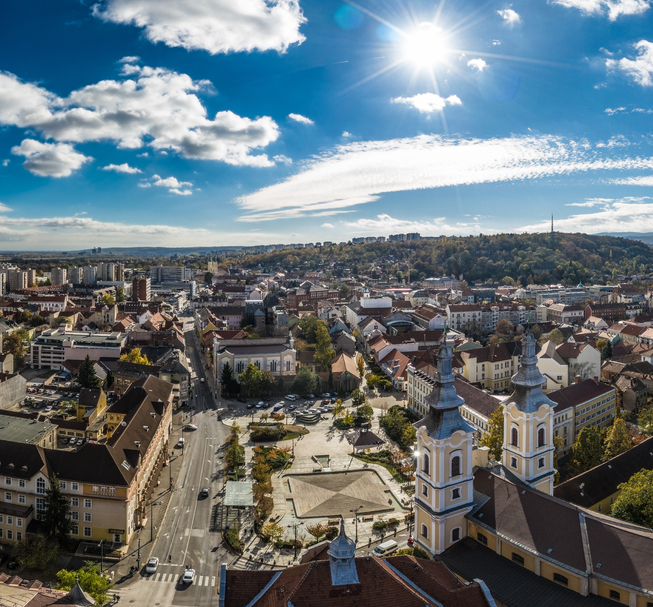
x,y
427,103
612,8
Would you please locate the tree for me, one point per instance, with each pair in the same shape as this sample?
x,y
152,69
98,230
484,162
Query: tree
x,y
357,398
618,439
90,580
227,379
360,363
250,379
493,440
305,382
13,344
87,375
272,532
324,353
645,421
107,300
135,356
635,502
556,337
344,289
120,295
587,451
36,552
56,521
338,408
208,277
363,415
317,531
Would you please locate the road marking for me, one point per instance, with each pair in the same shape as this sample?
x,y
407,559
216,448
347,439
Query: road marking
x,y
212,580
199,580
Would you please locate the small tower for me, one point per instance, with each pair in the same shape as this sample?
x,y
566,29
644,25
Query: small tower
x,y
443,480
342,559
528,424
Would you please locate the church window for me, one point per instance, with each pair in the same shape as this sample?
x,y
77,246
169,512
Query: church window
x,y
482,538
455,493
455,534
455,465
426,464
425,490
540,438
273,366
514,437
540,462
425,531
513,462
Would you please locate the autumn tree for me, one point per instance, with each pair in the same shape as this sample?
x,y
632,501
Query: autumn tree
x,y
324,352
135,356
556,337
493,440
618,440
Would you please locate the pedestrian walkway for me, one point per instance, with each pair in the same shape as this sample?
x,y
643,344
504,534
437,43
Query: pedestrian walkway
x,y
173,578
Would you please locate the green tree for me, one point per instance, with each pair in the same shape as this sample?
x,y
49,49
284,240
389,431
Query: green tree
x,y
493,440
503,332
645,421
556,337
635,502
135,356
324,353
107,300
56,521
120,295
587,451
227,379
87,376
364,415
398,427
357,398
305,382
36,552
618,440
208,277
250,379
344,290
272,532
90,580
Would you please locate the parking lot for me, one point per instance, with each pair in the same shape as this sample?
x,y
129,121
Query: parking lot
x,y
291,404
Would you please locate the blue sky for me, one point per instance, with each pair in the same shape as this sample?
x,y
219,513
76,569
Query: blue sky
x,y
214,122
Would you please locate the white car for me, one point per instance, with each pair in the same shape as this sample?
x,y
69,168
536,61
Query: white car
x,y
152,565
188,577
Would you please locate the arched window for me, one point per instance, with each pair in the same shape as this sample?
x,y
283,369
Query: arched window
x,y
455,534
514,437
425,531
426,464
273,366
455,465
540,438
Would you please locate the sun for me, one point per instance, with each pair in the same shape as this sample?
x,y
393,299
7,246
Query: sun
x,y
426,45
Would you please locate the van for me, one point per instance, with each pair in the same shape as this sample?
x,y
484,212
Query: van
x,y
385,548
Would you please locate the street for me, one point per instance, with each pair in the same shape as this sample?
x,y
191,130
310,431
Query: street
x,y
184,538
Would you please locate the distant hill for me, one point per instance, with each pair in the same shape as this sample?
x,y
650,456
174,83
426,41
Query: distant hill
x,y
523,258
646,237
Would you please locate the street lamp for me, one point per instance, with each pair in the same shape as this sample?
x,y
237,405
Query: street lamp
x,y
101,545
295,525
152,504
355,511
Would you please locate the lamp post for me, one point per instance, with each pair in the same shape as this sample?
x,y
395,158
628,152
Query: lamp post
x,y
355,511
101,545
152,504
295,525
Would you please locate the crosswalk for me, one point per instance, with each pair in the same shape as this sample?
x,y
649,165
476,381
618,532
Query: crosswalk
x,y
200,580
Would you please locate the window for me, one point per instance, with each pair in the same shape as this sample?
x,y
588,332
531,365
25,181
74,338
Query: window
x,y
19,536
1,533
426,464
598,508
88,504
74,530
21,499
74,516
40,486
40,508
540,438
482,538
514,437
517,558
513,462
95,488
425,490
74,486
74,502
455,534
7,497
540,462
19,522
62,484
455,465
614,595
425,531
87,532
10,536
21,483
7,481
561,579
455,493
10,520
87,517
112,490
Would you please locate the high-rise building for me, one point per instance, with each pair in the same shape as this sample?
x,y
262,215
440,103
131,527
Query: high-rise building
x,y
141,288
76,275
59,276
17,279
90,275
31,277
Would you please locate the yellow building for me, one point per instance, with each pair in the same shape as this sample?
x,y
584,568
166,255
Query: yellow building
x,y
492,366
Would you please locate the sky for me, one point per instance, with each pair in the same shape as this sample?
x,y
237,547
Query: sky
x,y
223,123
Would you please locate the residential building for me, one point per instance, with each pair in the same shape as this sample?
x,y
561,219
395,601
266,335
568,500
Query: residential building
x,y
59,276
565,314
492,366
49,303
12,388
581,359
309,293
142,288
553,367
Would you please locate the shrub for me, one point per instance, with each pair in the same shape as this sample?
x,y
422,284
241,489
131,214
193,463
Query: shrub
x,y
266,434
331,532
232,537
379,525
393,522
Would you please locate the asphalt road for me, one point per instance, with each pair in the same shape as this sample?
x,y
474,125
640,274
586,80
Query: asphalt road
x,y
184,538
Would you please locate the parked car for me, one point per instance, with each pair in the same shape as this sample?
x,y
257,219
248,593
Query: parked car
x,y
152,565
277,407
190,427
311,396
250,405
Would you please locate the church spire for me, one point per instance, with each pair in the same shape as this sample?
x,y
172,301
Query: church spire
x,y
342,559
528,380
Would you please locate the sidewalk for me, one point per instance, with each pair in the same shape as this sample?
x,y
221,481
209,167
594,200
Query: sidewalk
x,y
163,494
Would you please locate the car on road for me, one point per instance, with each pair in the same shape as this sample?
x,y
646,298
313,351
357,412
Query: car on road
x,y
190,427
326,395
204,493
188,577
12,564
181,442
201,380
261,403
152,565
292,407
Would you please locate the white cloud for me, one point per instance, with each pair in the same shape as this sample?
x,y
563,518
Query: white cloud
x,y
618,141
477,64
357,173
6,162
510,17
386,224
49,159
346,135
300,118
216,26
590,202
4,208
130,59
640,69
646,180
157,107
281,159
625,110
428,103
174,185
121,168
327,225
613,8
624,215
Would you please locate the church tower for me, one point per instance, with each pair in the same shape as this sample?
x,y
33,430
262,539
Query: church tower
x,y
443,480
528,424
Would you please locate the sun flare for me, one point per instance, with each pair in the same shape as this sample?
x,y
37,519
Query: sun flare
x,y
426,45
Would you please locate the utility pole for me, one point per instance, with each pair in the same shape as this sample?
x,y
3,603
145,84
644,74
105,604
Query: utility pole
x,y
101,556
295,525
355,511
138,555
